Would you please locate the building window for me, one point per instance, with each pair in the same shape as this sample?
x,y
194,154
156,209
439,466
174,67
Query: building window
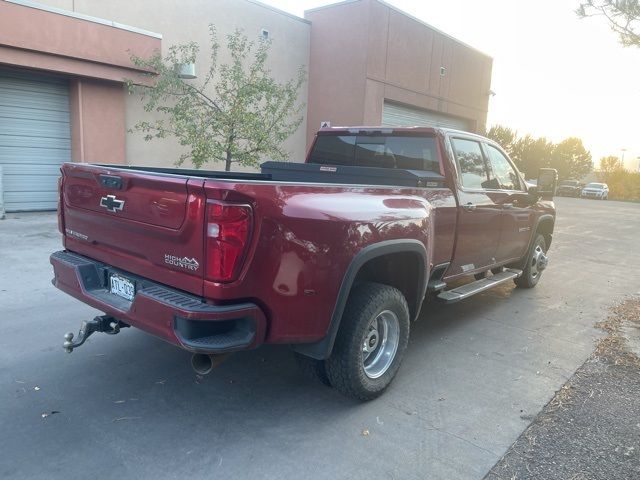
x,y
442,71
264,34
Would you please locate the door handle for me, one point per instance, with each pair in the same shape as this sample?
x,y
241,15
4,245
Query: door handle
x,y
469,207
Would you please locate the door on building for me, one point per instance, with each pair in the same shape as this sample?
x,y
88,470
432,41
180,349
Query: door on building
x,y
35,138
396,115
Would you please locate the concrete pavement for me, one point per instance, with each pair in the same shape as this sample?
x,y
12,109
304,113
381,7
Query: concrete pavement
x,y
475,375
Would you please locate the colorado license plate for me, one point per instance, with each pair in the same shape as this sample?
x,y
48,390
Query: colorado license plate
x,y
122,287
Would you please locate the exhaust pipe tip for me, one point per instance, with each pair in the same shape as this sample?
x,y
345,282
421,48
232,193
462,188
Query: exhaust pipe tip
x,y
201,363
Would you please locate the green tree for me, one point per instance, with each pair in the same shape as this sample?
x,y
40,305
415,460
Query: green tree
x,y
623,185
610,167
531,154
623,17
571,159
610,164
503,136
238,113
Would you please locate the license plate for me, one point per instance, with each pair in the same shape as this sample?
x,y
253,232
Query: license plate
x,y
122,287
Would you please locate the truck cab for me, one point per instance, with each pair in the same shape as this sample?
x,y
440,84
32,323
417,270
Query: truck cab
x,y
495,214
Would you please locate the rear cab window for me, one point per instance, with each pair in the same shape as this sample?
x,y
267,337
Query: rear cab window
x,y
408,152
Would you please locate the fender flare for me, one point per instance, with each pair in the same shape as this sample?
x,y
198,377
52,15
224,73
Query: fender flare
x,y
542,218
322,349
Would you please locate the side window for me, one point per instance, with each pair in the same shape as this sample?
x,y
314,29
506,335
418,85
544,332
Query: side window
x,y
502,170
473,171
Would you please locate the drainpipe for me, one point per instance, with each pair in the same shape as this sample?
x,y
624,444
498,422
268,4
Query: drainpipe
x,y
1,196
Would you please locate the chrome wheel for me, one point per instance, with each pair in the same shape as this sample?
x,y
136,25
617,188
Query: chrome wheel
x,y
539,261
380,344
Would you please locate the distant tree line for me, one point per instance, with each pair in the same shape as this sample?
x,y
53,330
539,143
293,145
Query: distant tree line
x,y
569,157
623,17
623,184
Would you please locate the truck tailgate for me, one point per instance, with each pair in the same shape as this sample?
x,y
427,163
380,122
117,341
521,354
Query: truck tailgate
x,y
144,223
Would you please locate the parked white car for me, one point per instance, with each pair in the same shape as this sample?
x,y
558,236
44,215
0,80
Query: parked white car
x,y
599,191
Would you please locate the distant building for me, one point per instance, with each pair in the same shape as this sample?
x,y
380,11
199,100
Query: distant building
x,y
372,64
63,64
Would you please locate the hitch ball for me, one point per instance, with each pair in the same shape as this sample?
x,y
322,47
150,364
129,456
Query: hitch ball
x,y
104,323
68,342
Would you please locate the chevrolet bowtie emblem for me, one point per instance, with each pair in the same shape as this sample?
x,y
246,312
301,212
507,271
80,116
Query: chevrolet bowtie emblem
x,y
111,203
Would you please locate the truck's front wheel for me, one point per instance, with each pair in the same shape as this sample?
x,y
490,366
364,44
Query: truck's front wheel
x,y
371,342
536,262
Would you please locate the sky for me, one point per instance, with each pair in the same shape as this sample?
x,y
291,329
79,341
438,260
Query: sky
x,y
554,75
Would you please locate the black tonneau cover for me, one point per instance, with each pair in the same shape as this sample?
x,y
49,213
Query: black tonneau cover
x,y
346,174
191,172
310,173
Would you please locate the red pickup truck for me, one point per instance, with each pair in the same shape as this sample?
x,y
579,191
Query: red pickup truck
x,y
333,257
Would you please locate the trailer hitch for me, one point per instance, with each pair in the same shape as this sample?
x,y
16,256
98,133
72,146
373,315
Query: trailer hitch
x,y
105,324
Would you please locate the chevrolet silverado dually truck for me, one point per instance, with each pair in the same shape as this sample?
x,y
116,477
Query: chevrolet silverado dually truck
x,y
334,257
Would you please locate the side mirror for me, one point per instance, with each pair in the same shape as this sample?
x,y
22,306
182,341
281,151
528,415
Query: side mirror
x,y
547,181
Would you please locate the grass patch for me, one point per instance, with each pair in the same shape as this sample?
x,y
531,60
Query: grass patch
x,y
613,348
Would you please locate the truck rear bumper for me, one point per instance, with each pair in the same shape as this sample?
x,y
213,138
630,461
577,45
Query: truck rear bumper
x,y
179,318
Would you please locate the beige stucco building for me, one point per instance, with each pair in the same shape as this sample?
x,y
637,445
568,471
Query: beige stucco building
x,y
180,22
63,64
372,64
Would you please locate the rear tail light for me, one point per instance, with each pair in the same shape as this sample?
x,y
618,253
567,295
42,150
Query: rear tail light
x,y
60,219
228,232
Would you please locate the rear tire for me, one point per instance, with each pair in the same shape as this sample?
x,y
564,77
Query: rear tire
x,y
371,341
535,264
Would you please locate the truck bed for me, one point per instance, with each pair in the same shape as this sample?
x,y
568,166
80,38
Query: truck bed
x,y
309,173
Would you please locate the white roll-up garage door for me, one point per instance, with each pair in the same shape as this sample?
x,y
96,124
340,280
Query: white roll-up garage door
x,y
34,138
396,115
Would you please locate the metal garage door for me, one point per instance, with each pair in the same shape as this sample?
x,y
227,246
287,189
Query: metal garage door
x,y
395,115
34,138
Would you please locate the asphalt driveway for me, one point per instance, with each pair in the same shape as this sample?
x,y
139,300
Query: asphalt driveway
x,y
475,375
